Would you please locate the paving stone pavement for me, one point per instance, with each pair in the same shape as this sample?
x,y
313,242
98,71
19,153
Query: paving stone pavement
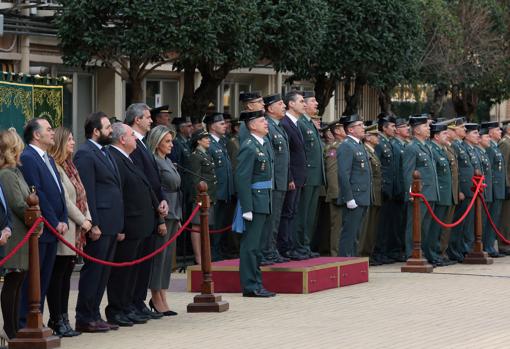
x,y
461,306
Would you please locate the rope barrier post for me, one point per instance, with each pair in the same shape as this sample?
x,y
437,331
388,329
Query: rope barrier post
x,y
477,254
207,301
416,264
34,335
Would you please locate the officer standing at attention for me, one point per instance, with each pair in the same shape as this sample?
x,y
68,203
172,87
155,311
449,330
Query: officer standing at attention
x,y
217,128
438,142
252,101
488,235
386,242
369,232
504,146
254,183
417,156
332,188
309,200
275,111
355,179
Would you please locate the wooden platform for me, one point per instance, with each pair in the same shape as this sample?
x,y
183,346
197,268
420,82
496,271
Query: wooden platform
x,y
307,276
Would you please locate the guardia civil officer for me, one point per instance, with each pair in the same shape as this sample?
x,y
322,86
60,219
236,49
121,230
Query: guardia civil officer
x,y
504,146
278,140
216,126
251,101
253,180
355,179
417,156
438,142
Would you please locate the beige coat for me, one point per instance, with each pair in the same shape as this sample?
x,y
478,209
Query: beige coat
x,y
76,218
16,191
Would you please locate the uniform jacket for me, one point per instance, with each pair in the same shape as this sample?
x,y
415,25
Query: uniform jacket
x,y
298,169
254,165
313,152
504,146
444,174
232,150
487,172
377,181
203,165
454,168
498,171
469,161
354,174
332,188
51,196
417,156
384,152
281,154
222,169
398,146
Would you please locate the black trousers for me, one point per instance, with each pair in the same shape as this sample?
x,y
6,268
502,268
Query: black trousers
x,y
10,299
287,225
60,283
143,272
121,285
93,278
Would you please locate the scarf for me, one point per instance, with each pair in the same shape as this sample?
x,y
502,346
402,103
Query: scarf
x,y
74,177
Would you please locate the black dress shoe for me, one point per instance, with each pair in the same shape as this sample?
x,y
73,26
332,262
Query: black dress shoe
x,y
314,254
169,313
496,255
262,293
151,314
295,256
120,320
266,262
70,332
387,260
91,327
58,327
271,294
374,262
136,319
281,259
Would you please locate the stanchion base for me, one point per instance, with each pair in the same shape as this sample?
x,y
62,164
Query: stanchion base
x,y
417,265
207,303
35,338
477,258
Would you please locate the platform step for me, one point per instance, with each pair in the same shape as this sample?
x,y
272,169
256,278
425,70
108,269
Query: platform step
x,y
307,276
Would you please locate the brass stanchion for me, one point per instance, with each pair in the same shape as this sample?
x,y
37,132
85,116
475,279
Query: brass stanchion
x,y
477,254
207,301
416,264
34,335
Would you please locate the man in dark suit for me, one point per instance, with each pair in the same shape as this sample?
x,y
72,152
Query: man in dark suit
x,y
101,180
297,176
138,117
140,207
39,171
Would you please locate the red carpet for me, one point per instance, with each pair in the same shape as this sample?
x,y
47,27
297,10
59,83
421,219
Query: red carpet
x,y
307,276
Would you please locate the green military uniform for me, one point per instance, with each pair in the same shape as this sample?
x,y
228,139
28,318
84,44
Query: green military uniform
x,y
309,198
332,194
443,204
417,156
233,146
488,237
181,154
281,158
454,169
203,165
368,236
504,146
399,206
254,167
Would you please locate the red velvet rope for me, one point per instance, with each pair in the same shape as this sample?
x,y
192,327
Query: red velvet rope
x,y
22,242
211,231
121,264
477,180
496,230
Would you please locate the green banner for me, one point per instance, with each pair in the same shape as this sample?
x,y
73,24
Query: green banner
x,y
22,102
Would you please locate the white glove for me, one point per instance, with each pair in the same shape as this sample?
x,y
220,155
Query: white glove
x,y
248,216
352,204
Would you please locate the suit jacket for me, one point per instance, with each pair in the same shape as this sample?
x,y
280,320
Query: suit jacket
x,y
354,173
143,158
384,151
51,195
498,171
281,156
298,171
255,165
418,156
103,187
140,202
223,170
313,152
444,174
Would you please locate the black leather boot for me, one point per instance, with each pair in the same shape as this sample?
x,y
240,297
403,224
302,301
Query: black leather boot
x,y
58,327
70,332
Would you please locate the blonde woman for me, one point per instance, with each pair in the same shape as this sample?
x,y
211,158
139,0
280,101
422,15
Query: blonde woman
x,y
79,224
15,191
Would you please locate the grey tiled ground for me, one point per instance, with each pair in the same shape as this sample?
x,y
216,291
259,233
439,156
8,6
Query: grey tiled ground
x,y
461,306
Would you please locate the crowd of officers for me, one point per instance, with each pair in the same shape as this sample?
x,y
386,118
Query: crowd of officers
x,y
343,188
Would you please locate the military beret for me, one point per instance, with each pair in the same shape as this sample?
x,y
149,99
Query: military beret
x,y
198,135
249,96
181,120
401,122
268,100
417,120
471,126
247,116
162,109
438,127
490,124
349,119
212,118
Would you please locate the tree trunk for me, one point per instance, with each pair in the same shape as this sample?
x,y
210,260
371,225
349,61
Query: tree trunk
x,y
136,91
353,101
324,89
465,102
385,99
440,93
188,91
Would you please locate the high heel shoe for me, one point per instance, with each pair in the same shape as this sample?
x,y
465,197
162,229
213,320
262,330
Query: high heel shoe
x,y
153,308
165,313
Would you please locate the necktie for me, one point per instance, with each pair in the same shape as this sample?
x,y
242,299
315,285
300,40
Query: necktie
x,y
2,198
50,168
107,156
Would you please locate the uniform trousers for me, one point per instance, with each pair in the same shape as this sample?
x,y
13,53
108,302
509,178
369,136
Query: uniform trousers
x,y
457,246
369,231
307,210
426,220
270,231
352,222
446,232
433,243
488,234
504,227
250,253
335,212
